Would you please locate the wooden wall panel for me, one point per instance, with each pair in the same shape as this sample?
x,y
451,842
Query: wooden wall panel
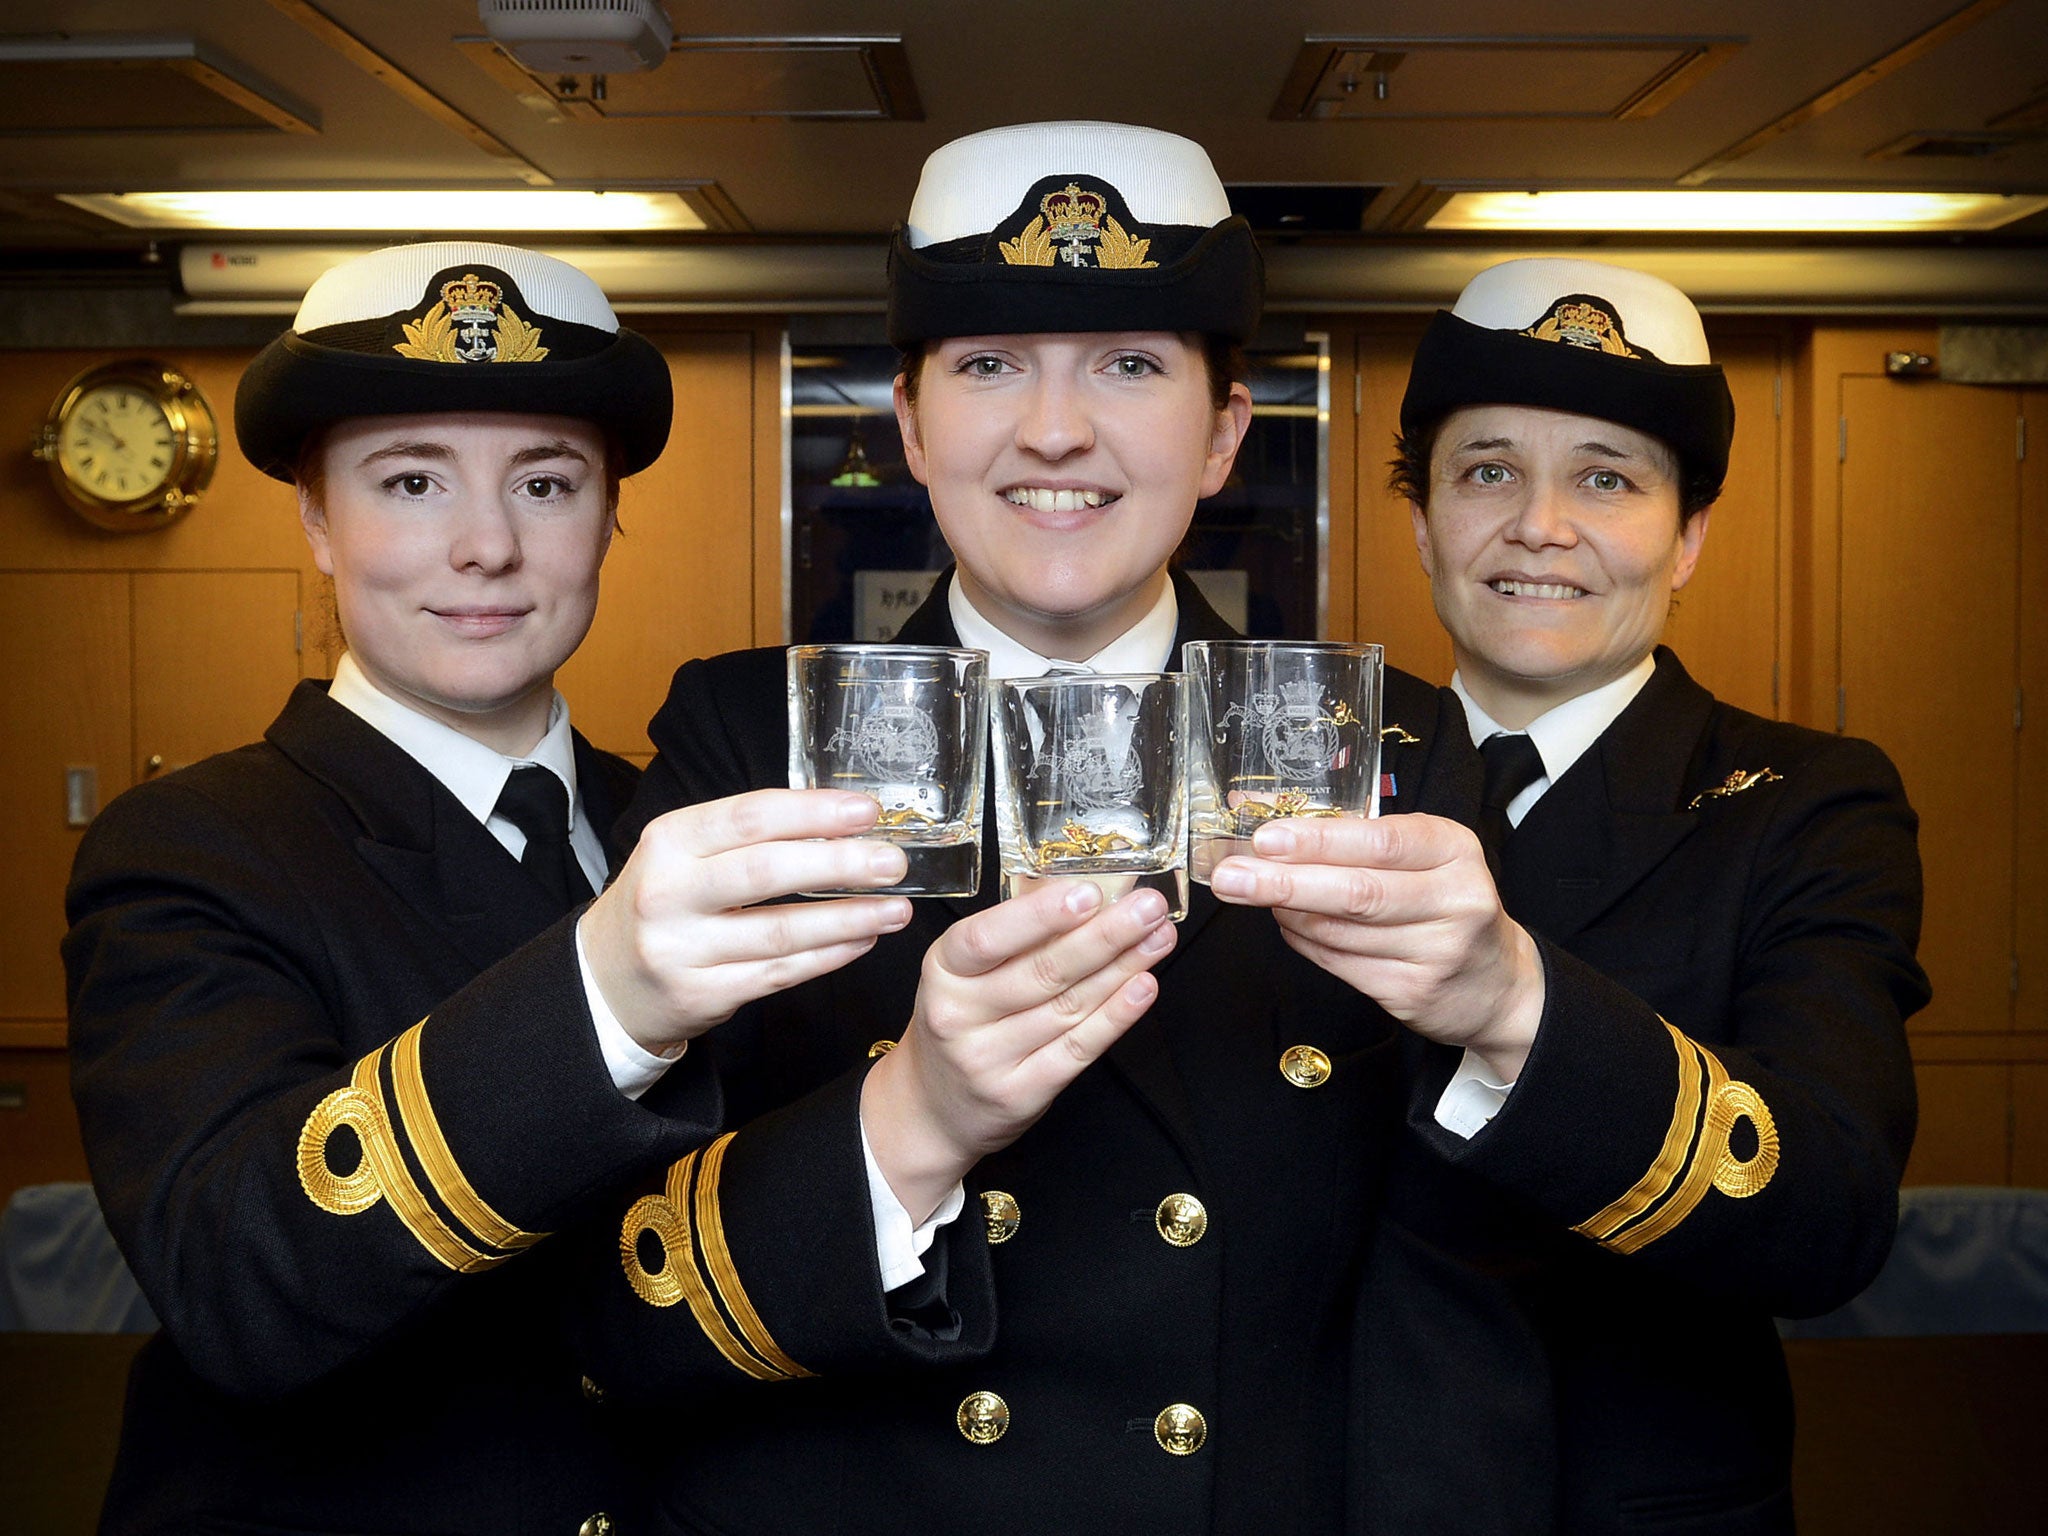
x,y
1929,563
38,1125
215,657
245,519
1725,627
2030,1124
64,644
2030,848
679,582
1963,1134
1393,607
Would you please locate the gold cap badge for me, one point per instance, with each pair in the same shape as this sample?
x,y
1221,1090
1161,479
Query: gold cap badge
x,y
471,323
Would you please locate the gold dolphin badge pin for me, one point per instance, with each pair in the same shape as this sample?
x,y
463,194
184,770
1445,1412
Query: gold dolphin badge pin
x,y
1400,736
1735,784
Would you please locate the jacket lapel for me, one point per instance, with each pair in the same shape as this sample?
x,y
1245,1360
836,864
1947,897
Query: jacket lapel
x,y
1617,813
416,836
605,784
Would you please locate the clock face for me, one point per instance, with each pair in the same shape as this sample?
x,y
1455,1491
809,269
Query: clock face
x,y
118,443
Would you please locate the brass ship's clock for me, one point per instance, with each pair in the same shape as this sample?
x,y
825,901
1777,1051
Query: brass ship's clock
x,y
130,444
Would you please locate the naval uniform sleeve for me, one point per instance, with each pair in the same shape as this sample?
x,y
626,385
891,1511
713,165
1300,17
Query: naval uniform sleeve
x,y
1755,1155
755,1260
287,1204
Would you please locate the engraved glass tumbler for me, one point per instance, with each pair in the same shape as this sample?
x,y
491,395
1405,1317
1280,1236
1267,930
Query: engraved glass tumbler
x,y
1091,782
907,725
1280,728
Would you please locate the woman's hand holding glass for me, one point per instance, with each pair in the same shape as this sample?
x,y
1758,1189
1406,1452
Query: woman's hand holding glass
x,y
1015,1002
679,942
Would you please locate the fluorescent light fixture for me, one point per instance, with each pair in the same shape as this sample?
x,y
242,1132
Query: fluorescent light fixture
x,y
1755,212
410,210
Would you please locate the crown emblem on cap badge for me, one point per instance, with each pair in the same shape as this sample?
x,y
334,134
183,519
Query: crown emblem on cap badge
x,y
1579,321
471,323
1074,227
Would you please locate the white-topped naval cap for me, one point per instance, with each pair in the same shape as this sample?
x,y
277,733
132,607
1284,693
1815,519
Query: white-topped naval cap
x,y
971,185
1516,295
385,282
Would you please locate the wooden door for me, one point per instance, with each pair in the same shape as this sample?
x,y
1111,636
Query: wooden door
x,y
64,641
679,581
1929,600
216,654
1393,607
1725,625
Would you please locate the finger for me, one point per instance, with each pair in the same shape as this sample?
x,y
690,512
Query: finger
x,y
1072,1051
1030,1028
766,933
996,935
729,987
764,816
1412,842
1384,897
1044,971
741,877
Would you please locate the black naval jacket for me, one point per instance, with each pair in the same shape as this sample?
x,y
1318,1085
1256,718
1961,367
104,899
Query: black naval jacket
x,y
790,1394
248,937
1567,1327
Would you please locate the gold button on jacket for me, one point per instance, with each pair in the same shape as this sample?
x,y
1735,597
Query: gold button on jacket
x,y
592,1392
1002,1213
1182,1220
599,1524
1304,1066
983,1418
1180,1429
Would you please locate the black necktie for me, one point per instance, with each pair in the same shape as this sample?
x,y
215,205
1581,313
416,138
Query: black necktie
x,y
1512,764
537,803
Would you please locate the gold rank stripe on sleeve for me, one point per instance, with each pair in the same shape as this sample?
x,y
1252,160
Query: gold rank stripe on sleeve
x,y
398,1186
1696,1154
431,1147
697,1266
382,1172
718,1258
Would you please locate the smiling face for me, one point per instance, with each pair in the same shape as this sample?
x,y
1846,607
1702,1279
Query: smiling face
x,y
1553,545
465,551
1064,470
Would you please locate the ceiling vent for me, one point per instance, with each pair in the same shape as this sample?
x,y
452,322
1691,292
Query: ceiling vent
x,y
580,37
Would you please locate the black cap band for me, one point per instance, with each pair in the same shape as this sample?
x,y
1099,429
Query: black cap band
x,y
1207,280
1686,406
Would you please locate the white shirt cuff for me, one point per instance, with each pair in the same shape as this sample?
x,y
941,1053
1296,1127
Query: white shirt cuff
x,y
1471,1099
633,1067
899,1247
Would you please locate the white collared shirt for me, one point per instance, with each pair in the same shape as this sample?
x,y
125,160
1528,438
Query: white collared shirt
x,y
475,775
1147,646
1562,736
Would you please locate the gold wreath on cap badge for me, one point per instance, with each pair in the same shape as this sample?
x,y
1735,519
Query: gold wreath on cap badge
x,y
471,323
1072,225
1580,322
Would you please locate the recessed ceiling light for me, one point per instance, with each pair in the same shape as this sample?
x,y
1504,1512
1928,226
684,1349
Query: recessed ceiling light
x,y
409,211
1753,212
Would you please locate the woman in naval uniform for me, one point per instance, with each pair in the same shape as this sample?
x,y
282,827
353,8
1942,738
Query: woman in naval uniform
x,y
1168,1143
331,1095
1704,1109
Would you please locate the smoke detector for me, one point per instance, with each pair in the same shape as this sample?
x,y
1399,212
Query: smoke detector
x,y
579,37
